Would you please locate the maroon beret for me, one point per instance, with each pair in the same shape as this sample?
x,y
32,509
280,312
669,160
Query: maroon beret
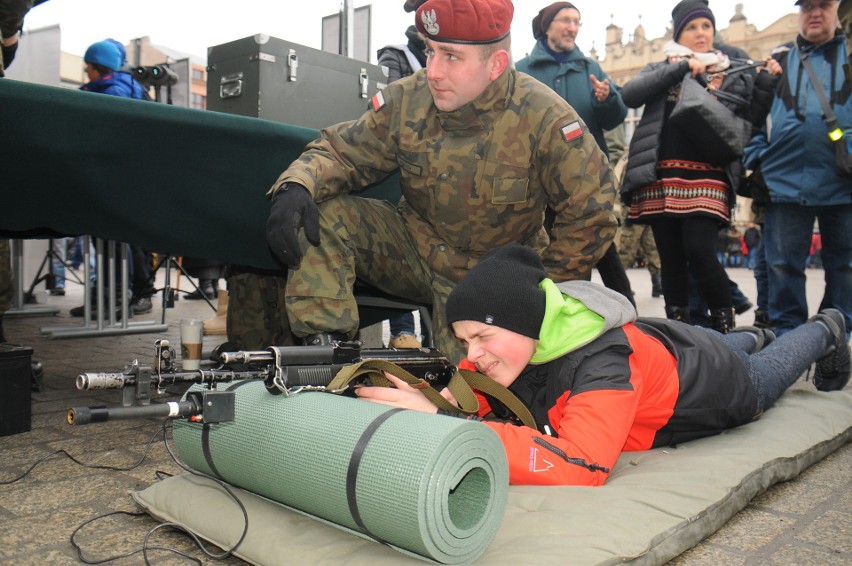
x,y
465,21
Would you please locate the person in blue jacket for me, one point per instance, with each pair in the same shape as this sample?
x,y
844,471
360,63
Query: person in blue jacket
x,y
104,61
106,70
796,157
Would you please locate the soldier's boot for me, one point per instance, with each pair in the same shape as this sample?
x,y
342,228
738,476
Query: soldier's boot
x,y
656,285
681,314
217,326
722,320
2,338
324,338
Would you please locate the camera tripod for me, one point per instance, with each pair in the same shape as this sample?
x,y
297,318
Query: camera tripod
x,y
49,277
169,295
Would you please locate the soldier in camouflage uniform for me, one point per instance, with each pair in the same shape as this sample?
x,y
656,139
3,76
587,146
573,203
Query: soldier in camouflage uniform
x,y
482,150
639,236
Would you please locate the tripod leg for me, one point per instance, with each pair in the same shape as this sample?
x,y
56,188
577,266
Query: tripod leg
x,y
28,296
191,282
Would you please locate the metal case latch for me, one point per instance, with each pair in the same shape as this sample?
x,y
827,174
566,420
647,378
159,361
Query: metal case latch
x,y
364,81
292,65
231,86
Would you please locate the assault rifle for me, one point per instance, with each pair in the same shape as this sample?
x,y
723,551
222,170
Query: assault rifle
x,y
284,370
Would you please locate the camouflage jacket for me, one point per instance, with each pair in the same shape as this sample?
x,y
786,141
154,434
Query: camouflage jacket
x,y
476,178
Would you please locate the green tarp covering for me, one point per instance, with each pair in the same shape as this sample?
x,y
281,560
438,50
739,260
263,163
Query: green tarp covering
x,y
169,179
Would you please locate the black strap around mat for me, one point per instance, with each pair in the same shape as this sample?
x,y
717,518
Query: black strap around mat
x,y
205,435
355,463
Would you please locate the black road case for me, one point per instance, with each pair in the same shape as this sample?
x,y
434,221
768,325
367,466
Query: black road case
x,y
15,376
277,80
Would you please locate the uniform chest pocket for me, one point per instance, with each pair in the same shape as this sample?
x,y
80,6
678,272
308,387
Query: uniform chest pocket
x,y
504,183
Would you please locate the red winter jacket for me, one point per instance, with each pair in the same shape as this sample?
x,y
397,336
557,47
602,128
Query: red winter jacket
x,y
646,384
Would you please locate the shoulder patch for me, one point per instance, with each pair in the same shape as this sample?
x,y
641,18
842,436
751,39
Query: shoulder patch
x,y
377,101
572,131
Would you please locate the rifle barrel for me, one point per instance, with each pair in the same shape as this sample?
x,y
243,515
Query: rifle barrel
x,y
86,415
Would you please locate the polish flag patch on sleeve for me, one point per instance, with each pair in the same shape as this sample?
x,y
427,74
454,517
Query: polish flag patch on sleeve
x,y
572,131
377,101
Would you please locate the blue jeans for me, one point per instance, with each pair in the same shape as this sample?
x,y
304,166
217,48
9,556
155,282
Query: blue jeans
x,y
402,323
777,366
761,277
787,244
57,267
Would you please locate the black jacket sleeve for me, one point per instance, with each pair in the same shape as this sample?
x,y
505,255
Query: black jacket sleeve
x,y
652,83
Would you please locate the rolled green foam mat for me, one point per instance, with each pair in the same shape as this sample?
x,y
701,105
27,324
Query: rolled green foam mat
x,y
430,486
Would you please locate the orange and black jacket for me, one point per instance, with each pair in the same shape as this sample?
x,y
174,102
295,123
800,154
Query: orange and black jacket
x,y
641,385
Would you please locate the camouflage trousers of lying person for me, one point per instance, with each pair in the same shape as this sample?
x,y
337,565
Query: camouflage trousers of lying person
x,y
365,239
7,292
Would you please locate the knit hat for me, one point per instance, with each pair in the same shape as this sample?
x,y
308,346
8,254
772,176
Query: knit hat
x,y
688,10
411,5
502,290
121,50
465,21
545,16
104,53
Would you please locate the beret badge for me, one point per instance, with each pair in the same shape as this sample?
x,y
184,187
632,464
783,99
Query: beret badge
x,y
430,22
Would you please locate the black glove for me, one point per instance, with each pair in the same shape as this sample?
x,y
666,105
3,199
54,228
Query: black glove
x,y
292,208
9,54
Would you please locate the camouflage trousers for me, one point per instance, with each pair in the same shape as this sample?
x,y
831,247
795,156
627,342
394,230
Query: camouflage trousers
x,y
255,320
7,291
634,237
364,239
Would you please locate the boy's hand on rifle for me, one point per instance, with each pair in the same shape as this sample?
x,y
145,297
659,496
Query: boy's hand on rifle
x,y
402,395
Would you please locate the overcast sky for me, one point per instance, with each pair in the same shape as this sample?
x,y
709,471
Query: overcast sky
x,y
193,25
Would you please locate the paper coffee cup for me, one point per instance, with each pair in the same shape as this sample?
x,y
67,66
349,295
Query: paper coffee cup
x,y
191,331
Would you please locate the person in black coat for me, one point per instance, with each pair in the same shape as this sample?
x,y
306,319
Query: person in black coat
x,y
672,182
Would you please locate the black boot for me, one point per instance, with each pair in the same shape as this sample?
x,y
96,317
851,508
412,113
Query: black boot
x,y
833,370
206,289
763,337
722,320
680,314
656,285
761,319
2,338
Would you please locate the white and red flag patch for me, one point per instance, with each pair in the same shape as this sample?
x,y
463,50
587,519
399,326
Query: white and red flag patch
x,y
378,100
572,131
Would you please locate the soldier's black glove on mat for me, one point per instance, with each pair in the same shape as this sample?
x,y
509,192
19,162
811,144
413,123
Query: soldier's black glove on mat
x,y
292,208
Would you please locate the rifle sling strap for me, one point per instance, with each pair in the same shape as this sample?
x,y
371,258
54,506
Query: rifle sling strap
x,y
461,386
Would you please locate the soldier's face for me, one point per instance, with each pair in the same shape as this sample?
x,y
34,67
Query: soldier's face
x,y
817,20
498,353
457,73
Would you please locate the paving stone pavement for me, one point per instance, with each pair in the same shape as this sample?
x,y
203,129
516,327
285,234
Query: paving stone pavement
x,y
804,521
